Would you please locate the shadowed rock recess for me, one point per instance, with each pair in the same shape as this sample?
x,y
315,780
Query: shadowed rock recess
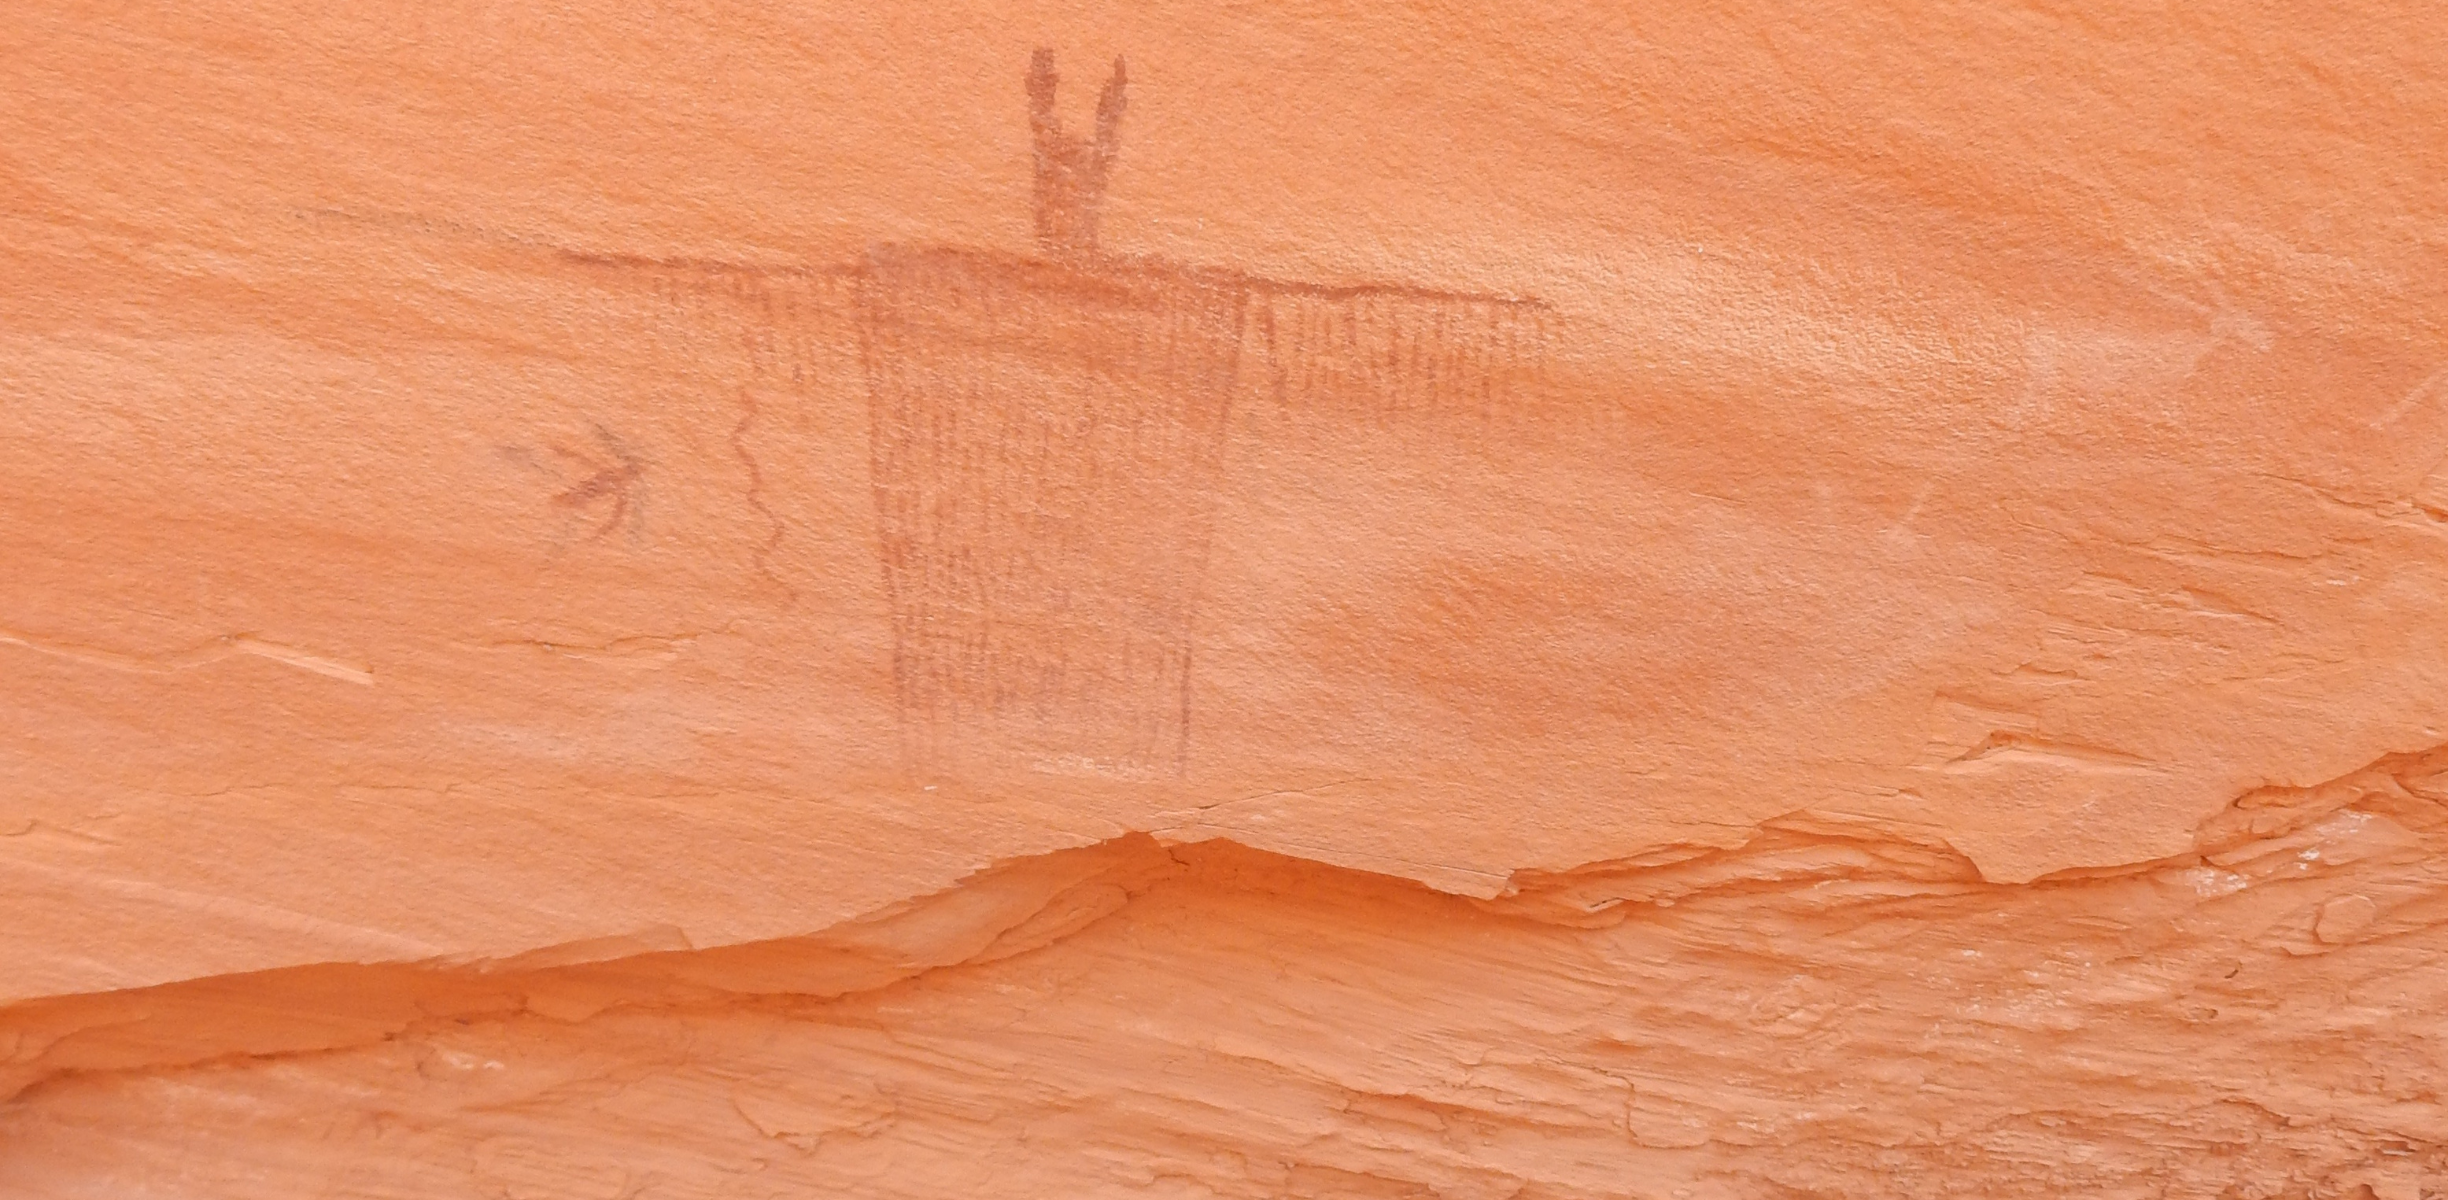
x,y
1829,1009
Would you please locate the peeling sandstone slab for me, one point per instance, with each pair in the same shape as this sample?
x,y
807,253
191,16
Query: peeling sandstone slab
x,y
1824,1010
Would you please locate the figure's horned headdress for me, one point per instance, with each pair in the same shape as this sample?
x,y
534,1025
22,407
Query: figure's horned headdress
x,y
1070,173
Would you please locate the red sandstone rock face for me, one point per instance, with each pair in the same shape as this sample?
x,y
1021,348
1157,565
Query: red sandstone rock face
x,y
743,602
1828,1009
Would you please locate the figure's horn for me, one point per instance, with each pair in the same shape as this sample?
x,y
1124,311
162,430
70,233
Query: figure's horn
x,y
1071,173
1109,114
1042,81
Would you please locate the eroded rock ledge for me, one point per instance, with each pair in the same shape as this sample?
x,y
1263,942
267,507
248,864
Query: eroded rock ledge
x,y
1831,1009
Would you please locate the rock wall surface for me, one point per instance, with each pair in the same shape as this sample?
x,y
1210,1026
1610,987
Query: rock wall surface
x,y
1825,1010
1047,598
